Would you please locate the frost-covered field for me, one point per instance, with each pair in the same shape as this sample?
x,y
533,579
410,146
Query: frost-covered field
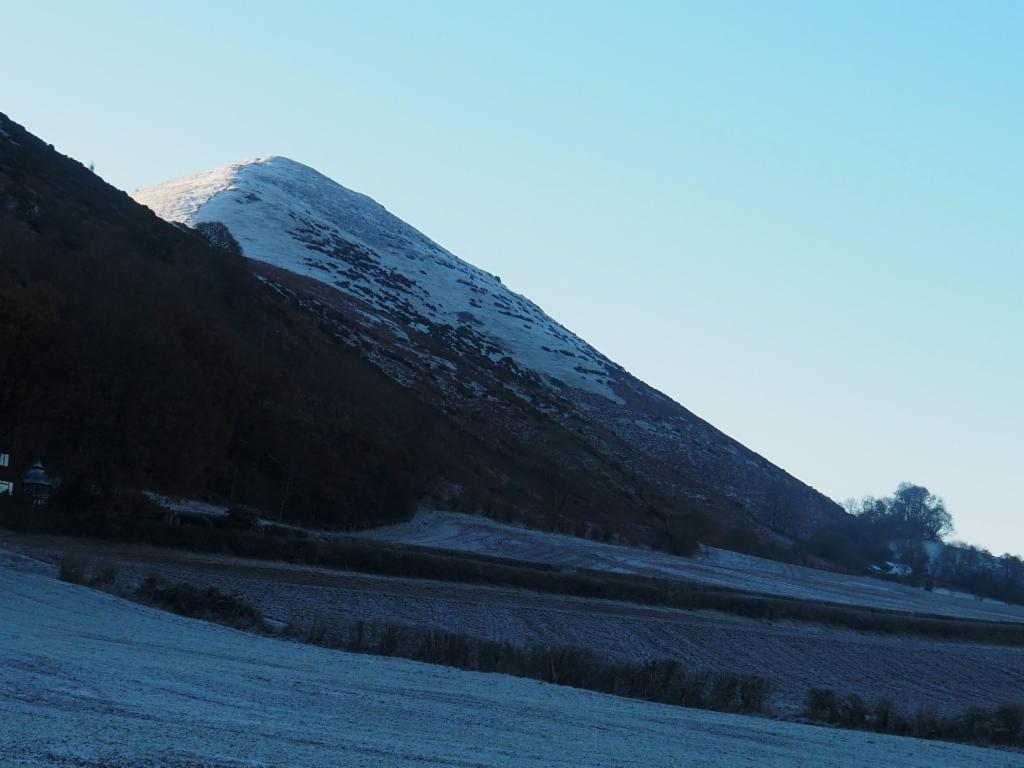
x,y
468,533
87,680
949,676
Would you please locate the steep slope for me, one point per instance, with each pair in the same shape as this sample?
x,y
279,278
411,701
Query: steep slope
x,y
288,215
135,354
462,328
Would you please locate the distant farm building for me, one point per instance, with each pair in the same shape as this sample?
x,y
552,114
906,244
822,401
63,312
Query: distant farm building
x,y
37,485
7,476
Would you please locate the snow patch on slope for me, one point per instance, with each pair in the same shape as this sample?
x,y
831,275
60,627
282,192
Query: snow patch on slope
x,y
289,215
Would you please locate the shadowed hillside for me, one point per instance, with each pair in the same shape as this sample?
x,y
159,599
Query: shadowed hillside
x,y
137,355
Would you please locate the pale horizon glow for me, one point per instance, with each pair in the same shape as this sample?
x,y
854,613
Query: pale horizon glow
x,y
801,221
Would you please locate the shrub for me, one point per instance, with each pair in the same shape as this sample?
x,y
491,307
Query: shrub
x,y
201,603
695,688
724,693
663,680
1009,724
316,634
1003,725
884,715
754,693
681,535
823,705
76,569
242,517
73,568
387,642
854,711
104,574
927,724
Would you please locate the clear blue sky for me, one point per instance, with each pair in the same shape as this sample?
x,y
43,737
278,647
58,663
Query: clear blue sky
x,y
801,220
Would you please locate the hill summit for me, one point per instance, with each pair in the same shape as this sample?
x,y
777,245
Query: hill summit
x,y
428,314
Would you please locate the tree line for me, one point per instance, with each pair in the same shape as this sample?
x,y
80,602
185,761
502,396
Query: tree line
x,y
911,527
912,512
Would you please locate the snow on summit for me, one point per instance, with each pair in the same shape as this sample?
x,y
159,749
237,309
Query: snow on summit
x,y
423,315
290,216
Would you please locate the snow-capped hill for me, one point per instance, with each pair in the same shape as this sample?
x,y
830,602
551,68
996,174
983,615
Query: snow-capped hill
x,y
424,315
292,217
